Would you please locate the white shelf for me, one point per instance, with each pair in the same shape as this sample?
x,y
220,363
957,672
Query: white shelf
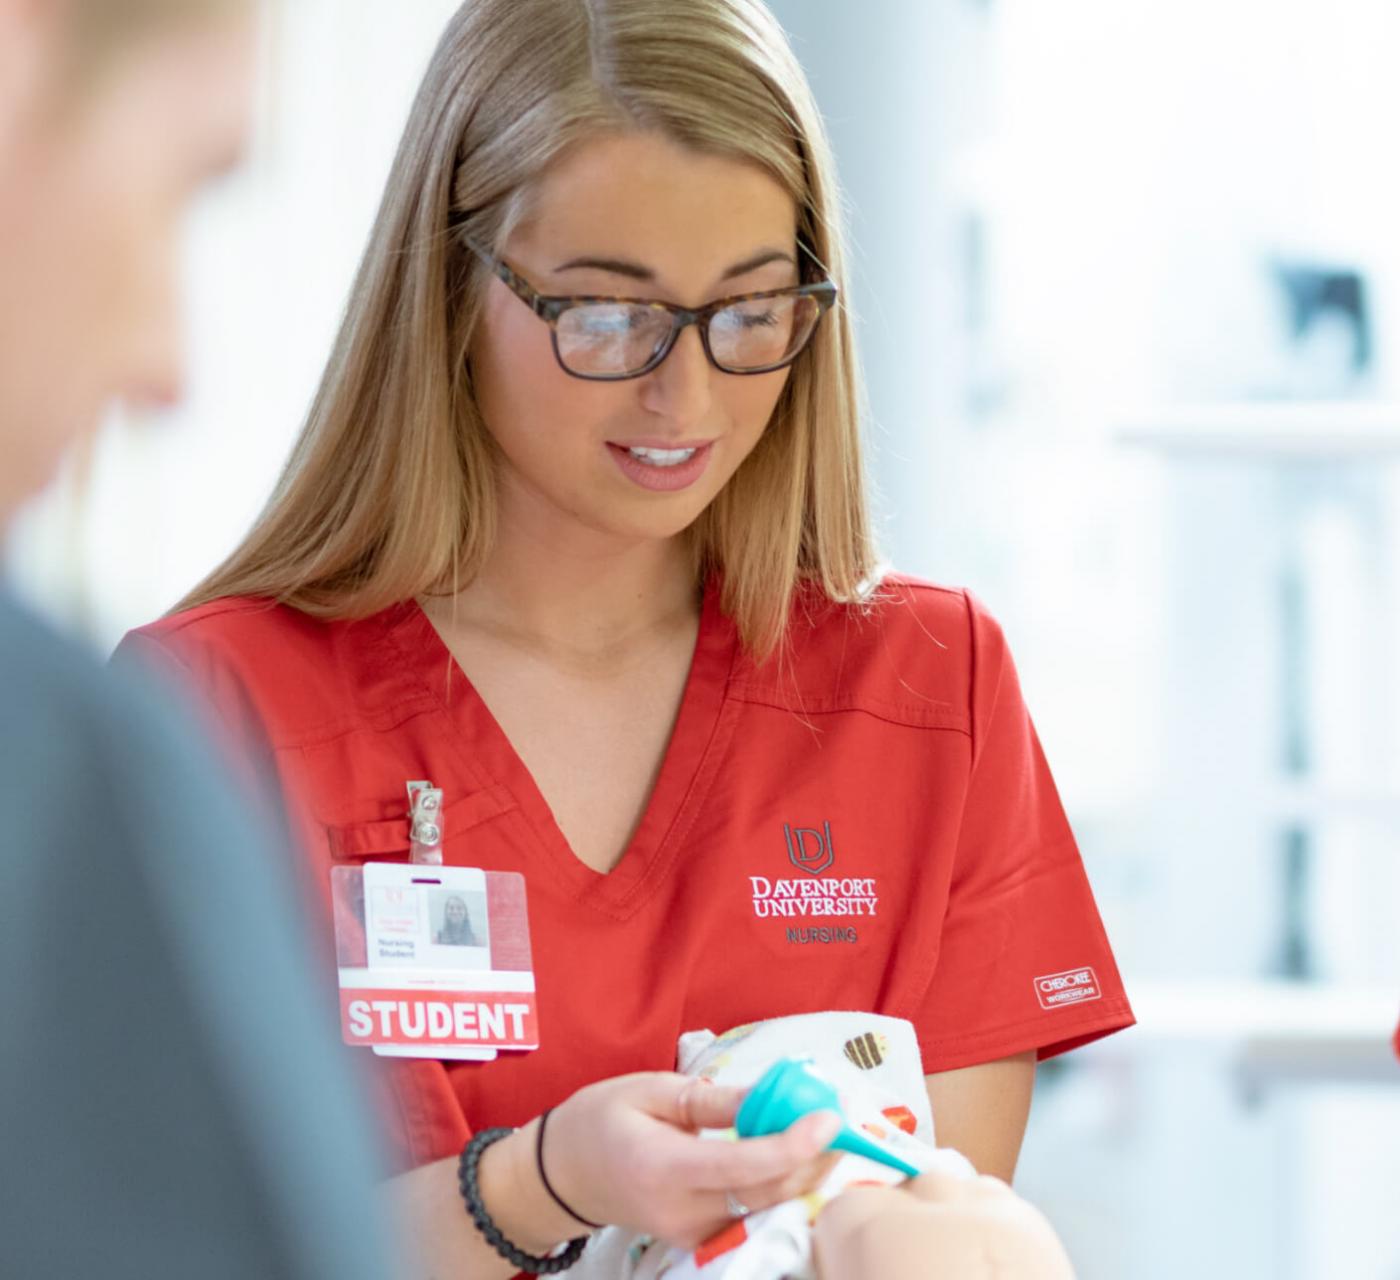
x,y
1268,430
1312,802
1246,1010
1275,1031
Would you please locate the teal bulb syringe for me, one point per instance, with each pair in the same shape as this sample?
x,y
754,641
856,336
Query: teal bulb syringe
x,y
791,1088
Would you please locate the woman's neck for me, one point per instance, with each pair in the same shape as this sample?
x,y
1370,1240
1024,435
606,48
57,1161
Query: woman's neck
x,y
577,602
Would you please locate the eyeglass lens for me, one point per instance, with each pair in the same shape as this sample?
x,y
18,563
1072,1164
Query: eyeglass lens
x,y
612,338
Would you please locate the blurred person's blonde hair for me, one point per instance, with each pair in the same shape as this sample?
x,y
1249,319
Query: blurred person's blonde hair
x,y
389,492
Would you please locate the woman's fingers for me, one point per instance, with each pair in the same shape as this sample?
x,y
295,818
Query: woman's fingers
x,y
752,1163
625,1151
804,1178
753,1173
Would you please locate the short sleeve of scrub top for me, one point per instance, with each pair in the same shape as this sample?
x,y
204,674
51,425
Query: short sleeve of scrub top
x,y
1023,959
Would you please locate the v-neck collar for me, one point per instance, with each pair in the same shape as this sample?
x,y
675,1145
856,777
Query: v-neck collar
x,y
686,772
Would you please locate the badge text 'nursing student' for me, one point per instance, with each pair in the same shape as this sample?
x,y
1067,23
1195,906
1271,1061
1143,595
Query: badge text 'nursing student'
x,y
434,961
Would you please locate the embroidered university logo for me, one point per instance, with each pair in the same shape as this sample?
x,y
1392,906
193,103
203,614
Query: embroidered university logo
x,y
1072,986
814,858
811,894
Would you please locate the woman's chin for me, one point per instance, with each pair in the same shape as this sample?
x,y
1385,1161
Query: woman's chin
x,y
631,524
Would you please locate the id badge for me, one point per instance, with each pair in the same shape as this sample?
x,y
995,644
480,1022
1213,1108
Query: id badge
x,y
434,962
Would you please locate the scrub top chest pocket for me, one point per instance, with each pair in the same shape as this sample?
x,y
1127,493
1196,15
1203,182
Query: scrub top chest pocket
x,y
354,781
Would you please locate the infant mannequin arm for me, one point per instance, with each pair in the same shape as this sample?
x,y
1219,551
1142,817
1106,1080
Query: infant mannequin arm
x,y
982,1111
937,1226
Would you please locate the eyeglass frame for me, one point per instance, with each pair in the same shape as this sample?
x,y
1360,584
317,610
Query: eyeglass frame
x,y
550,308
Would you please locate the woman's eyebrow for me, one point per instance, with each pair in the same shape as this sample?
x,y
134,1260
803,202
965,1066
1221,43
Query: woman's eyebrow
x,y
635,270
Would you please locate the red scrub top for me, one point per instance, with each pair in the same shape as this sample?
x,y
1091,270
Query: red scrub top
x,y
869,824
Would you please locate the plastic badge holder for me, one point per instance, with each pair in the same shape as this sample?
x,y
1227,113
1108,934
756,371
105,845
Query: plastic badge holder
x,y
786,1092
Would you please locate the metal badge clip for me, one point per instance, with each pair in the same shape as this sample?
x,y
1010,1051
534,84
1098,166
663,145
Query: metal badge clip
x,y
425,824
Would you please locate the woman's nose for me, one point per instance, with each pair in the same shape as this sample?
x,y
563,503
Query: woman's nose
x,y
679,389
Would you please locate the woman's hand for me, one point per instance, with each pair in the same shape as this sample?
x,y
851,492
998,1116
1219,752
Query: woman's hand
x,y
624,1151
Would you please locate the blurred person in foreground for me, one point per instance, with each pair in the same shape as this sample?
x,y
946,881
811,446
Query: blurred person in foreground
x,y
149,1125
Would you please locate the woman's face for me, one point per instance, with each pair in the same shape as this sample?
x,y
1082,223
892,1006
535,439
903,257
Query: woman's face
x,y
456,911
631,215
91,199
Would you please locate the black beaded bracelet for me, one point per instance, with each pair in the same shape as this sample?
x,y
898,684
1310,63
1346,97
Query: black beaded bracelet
x,y
545,1265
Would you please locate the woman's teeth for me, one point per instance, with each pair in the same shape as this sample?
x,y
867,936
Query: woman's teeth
x,y
662,457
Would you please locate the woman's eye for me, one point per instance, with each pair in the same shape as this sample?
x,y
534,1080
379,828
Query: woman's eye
x,y
740,318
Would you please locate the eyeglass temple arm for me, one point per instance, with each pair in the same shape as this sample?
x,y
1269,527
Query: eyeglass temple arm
x,y
513,282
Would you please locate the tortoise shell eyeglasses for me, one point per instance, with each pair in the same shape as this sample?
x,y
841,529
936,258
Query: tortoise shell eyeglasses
x,y
612,339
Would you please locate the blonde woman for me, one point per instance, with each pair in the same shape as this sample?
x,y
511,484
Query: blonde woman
x,y
577,530
456,928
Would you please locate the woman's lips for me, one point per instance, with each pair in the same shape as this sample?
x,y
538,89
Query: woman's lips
x,y
661,479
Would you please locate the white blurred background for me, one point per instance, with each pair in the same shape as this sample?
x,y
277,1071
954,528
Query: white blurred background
x,y
1128,281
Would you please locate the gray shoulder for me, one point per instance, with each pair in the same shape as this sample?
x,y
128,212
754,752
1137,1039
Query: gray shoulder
x,y
73,727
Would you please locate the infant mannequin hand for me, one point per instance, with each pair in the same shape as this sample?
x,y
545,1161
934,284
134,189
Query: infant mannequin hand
x,y
623,1151
935,1226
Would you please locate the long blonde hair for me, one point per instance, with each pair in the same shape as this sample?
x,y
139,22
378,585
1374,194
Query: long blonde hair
x,y
389,492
